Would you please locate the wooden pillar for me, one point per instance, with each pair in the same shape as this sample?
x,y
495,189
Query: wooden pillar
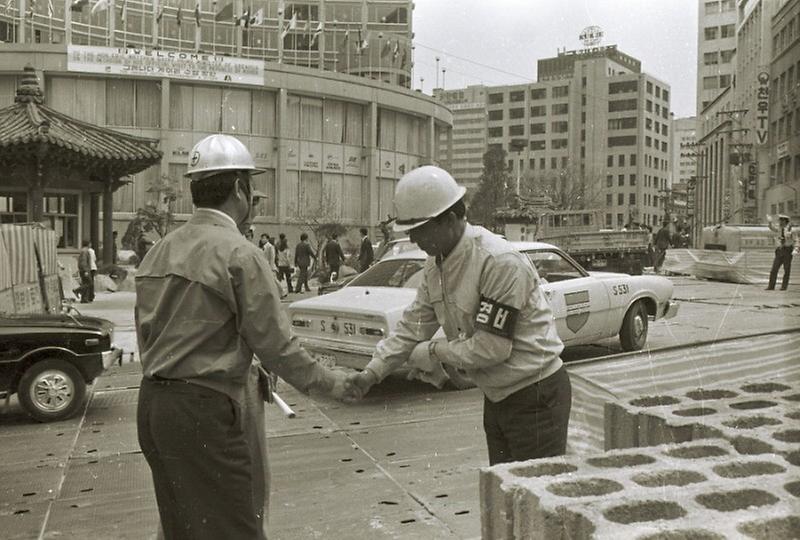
x,y
35,209
94,220
108,222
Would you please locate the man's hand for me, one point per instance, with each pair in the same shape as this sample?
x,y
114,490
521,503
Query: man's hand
x,y
358,384
339,389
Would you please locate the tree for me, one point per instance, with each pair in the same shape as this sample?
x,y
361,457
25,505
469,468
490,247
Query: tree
x,y
493,189
157,215
567,188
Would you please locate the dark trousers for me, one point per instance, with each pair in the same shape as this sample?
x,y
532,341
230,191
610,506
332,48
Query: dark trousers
x,y
334,270
531,423
302,279
783,257
86,290
285,272
201,459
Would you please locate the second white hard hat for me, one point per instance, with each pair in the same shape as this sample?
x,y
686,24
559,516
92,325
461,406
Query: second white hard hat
x,y
423,194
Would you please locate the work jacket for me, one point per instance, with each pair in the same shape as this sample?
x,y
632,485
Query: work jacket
x,y
785,238
486,296
206,301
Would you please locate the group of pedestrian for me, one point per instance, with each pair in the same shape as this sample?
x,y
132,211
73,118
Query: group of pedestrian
x,y
208,318
282,262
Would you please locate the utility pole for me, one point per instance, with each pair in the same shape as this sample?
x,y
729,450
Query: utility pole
x,y
422,84
444,72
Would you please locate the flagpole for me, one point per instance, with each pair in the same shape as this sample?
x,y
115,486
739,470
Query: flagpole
x,y
50,22
214,28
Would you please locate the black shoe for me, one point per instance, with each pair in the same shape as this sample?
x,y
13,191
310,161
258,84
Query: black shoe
x,y
770,289
783,288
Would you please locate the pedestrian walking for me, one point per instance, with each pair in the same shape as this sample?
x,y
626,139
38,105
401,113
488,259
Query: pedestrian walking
x,y
284,262
272,258
85,273
365,255
499,327
787,243
249,235
114,254
303,253
92,270
662,241
205,304
262,240
334,256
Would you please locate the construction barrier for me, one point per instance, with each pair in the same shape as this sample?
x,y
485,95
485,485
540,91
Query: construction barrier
x,y
750,267
29,281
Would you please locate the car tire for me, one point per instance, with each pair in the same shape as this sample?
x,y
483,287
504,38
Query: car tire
x,y
633,334
458,379
51,390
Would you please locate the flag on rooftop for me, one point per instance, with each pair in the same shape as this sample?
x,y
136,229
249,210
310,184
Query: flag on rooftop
x,y
197,12
100,5
317,33
178,16
123,14
258,18
291,26
225,14
160,14
50,10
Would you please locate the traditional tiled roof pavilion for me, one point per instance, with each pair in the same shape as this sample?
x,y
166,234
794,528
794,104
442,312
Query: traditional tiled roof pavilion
x,y
41,147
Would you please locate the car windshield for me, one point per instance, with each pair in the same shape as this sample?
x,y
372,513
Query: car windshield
x,y
392,273
551,266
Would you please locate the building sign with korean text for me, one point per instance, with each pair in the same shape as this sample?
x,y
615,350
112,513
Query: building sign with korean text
x,y
144,62
762,108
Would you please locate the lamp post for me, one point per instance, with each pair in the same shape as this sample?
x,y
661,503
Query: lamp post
x,y
437,72
518,145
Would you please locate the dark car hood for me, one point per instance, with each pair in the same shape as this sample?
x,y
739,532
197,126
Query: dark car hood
x,y
46,320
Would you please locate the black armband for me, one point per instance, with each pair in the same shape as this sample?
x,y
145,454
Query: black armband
x,y
496,318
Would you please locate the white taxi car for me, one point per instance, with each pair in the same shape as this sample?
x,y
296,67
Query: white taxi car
x,y
343,327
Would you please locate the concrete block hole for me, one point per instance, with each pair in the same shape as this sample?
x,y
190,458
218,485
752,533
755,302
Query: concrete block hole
x,y
654,401
794,415
544,469
620,461
785,527
641,511
696,452
758,388
668,478
750,446
731,501
585,488
755,404
793,458
688,534
793,488
745,469
696,411
750,422
793,397
705,395
791,436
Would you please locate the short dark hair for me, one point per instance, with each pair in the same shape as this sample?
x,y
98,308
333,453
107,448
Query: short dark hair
x,y
334,236
214,190
363,231
459,209
303,236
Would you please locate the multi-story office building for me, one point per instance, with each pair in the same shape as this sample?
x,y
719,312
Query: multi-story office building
x,y
593,131
716,49
468,106
782,194
684,169
334,137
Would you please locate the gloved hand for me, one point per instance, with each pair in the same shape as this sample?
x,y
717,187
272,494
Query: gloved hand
x,y
340,388
358,384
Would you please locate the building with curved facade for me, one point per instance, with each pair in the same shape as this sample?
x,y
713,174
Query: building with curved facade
x,y
318,91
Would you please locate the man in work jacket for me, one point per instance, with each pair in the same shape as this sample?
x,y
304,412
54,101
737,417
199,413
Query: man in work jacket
x,y
500,329
206,302
787,243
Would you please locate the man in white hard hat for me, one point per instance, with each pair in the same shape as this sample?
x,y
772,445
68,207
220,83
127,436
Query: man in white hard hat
x,y
206,302
787,243
499,326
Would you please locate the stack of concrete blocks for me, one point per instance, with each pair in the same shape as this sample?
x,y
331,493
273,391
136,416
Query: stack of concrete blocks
x,y
733,486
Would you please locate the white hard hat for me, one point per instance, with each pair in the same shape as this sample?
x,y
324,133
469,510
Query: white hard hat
x,y
218,153
423,194
783,216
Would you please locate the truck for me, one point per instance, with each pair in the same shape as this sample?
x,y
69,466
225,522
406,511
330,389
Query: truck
x,y
579,233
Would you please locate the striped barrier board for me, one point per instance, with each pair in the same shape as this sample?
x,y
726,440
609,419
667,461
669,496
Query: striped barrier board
x,y
5,266
20,246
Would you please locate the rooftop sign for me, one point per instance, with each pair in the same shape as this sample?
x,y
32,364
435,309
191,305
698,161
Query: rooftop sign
x,y
591,36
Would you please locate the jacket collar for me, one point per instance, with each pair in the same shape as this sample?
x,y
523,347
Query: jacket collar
x,y
212,216
459,252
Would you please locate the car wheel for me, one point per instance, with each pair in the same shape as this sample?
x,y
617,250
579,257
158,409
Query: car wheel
x,y
458,379
51,390
633,334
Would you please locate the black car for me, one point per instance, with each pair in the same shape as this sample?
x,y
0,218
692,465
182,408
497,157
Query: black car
x,y
48,360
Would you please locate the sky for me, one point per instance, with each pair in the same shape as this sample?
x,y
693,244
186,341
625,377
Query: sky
x,y
495,42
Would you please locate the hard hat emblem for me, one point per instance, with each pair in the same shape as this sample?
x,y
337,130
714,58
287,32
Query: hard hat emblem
x,y
195,158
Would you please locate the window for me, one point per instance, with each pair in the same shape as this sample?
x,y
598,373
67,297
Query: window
x,y
560,108
538,93
532,163
609,199
664,146
627,140
495,131
620,199
557,144
516,113
658,91
609,180
494,99
665,94
726,56
539,110
537,129
559,127
560,91
712,7
496,115
711,58
621,160
518,95
622,123
622,105
537,145
610,161
541,161
727,30
516,130
13,207
61,211
553,267
133,103
724,81
632,179
710,33
648,141
623,86
633,159
553,163
620,179
649,87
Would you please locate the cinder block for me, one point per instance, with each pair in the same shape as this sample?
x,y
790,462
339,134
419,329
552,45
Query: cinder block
x,y
757,417
697,490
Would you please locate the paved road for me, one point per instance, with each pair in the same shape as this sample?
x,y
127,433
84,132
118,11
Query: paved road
x,y
401,464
